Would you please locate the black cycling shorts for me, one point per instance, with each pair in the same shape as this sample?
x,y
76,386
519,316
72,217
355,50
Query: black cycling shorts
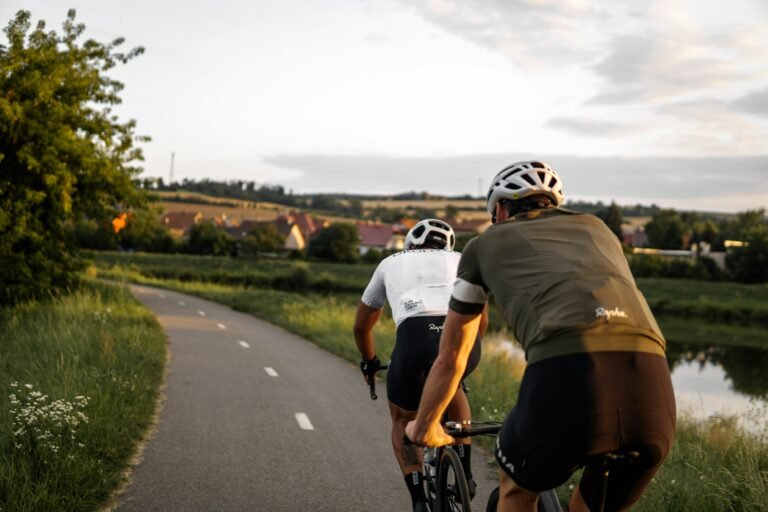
x,y
576,406
416,347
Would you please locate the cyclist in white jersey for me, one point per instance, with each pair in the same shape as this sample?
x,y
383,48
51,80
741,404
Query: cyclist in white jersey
x,y
417,283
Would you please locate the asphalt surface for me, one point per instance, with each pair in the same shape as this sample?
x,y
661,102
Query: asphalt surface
x,y
258,419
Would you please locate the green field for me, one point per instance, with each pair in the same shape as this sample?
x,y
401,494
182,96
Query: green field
x,y
79,382
687,311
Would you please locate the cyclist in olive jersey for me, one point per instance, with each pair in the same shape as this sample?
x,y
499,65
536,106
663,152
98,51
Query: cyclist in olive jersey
x,y
417,283
597,379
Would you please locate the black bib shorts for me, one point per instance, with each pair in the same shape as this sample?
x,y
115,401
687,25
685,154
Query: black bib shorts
x,y
416,347
576,406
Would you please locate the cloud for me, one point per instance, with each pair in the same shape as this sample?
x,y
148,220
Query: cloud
x,y
709,127
587,126
533,34
754,103
660,67
644,180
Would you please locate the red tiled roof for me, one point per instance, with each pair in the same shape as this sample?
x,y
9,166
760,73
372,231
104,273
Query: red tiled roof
x,y
180,220
473,225
375,235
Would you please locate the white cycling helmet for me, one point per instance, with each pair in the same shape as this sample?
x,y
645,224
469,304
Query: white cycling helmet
x,y
431,230
523,179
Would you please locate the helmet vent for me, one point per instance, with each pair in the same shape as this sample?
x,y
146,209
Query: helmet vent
x,y
538,165
418,231
530,181
512,186
542,176
553,182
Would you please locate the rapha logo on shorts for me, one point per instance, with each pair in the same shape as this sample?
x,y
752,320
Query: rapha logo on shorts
x,y
433,327
610,313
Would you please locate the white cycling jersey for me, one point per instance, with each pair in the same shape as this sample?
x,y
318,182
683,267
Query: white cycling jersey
x,y
416,283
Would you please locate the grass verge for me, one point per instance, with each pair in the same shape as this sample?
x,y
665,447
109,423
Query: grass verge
x,y
79,380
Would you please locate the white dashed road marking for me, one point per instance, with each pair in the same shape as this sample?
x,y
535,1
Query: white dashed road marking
x,y
244,344
222,326
270,371
201,313
182,303
303,421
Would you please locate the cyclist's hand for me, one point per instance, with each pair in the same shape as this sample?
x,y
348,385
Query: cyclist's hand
x,y
434,435
369,368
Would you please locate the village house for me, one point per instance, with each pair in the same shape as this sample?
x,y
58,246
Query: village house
x,y
178,224
381,237
308,225
294,240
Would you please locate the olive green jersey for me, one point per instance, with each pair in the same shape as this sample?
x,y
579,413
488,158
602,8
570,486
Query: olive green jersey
x,y
562,284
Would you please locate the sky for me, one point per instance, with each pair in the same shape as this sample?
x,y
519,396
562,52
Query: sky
x,y
660,101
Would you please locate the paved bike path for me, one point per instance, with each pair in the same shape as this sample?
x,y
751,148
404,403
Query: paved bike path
x,y
256,418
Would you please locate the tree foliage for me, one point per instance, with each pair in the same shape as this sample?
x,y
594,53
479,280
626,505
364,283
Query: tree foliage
x,y
338,243
206,238
613,219
665,230
749,264
64,156
263,238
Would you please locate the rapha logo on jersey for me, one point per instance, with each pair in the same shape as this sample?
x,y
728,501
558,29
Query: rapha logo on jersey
x,y
610,313
433,327
412,305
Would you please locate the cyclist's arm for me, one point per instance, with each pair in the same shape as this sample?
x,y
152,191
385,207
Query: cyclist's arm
x,y
365,319
483,321
459,335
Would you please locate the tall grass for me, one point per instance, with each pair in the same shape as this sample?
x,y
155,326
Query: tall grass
x,y
79,379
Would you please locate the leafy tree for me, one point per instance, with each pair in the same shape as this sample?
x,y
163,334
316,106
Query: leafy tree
x,y
263,238
91,234
63,156
206,238
749,264
665,230
339,243
738,228
706,231
144,232
613,219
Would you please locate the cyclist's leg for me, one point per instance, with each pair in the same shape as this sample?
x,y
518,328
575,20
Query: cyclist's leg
x,y
408,457
577,504
513,498
641,390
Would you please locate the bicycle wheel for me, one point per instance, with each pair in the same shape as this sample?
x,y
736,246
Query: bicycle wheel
x,y
493,501
548,502
452,490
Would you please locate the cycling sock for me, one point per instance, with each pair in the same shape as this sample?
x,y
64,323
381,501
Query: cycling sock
x,y
415,483
465,454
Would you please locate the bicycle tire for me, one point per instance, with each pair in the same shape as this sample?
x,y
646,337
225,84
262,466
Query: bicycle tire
x,y
548,502
452,489
493,501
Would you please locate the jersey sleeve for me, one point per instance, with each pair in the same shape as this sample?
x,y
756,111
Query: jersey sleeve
x,y
375,293
469,292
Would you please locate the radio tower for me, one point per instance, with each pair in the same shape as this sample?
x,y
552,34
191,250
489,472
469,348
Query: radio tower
x,y
170,177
